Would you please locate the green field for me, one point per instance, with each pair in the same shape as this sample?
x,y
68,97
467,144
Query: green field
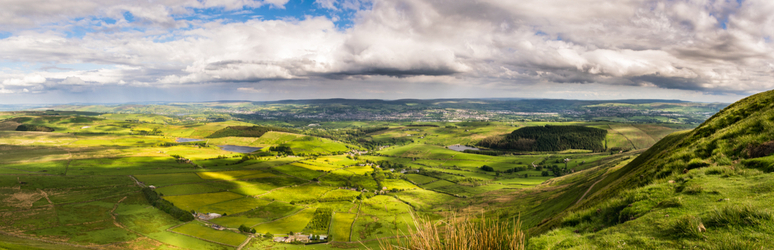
x,y
169,179
297,171
199,230
195,201
64,185
292,223
342,223
187,189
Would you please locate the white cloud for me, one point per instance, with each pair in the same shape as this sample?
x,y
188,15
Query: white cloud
x,y
26,81
654,44
251,90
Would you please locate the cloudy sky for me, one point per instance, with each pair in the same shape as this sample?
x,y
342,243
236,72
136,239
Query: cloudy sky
x,y
54,51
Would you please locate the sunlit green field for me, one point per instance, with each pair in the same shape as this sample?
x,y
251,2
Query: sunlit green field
x,y
79,181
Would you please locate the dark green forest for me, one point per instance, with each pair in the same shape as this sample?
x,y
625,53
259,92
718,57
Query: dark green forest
x,y
30,127
549,138
247,131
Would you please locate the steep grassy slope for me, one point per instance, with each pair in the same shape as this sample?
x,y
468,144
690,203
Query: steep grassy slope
x,y
710,188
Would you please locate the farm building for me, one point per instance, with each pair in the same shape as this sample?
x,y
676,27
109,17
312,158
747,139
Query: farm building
x,y
207,216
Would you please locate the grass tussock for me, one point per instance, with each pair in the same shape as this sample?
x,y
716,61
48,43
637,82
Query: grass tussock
x,y
693,189
687,226
461,233
671,202
720,170
738,215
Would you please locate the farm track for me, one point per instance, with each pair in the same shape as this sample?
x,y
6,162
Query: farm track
x,y
246,242
352,227
589,190
137,182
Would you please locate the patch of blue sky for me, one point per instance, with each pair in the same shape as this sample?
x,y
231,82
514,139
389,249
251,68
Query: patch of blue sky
x,y
128,16
299,10
4,35
8,66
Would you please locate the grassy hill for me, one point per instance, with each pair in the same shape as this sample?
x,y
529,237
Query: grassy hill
x,y
709,188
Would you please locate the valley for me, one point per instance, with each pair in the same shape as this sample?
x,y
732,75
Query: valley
x,y
86,183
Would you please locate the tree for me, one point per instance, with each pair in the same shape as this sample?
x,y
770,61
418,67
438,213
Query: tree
x,y
544,173
268,235
487,168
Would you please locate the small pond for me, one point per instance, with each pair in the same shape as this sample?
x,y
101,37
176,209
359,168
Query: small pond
x,y
239,149
187,140
461,148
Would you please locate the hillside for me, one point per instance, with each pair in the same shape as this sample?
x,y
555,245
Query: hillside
x,y
709,188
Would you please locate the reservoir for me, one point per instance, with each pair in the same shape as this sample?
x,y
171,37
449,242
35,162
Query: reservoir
x,y
239,149
460,148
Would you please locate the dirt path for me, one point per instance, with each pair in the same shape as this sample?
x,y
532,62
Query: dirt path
x,y
587,191
245,243
113,214
137,182
45,195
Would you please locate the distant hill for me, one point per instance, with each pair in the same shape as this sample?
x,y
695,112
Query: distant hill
x,y
709,188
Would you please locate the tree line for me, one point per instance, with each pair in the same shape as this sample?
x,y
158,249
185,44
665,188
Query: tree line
x,y
166,206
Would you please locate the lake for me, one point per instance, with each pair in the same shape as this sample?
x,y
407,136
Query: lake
x,y
461,148
187,140
239,149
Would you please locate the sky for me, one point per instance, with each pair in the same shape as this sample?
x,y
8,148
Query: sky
x,y
112,51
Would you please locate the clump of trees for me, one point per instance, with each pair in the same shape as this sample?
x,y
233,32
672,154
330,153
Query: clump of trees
x,y
247,131
549,138
487,168
282,149
166,206
30,127
246,229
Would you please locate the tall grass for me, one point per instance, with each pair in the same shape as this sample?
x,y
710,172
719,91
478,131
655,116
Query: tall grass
x,y
687,226
738,215
460,233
